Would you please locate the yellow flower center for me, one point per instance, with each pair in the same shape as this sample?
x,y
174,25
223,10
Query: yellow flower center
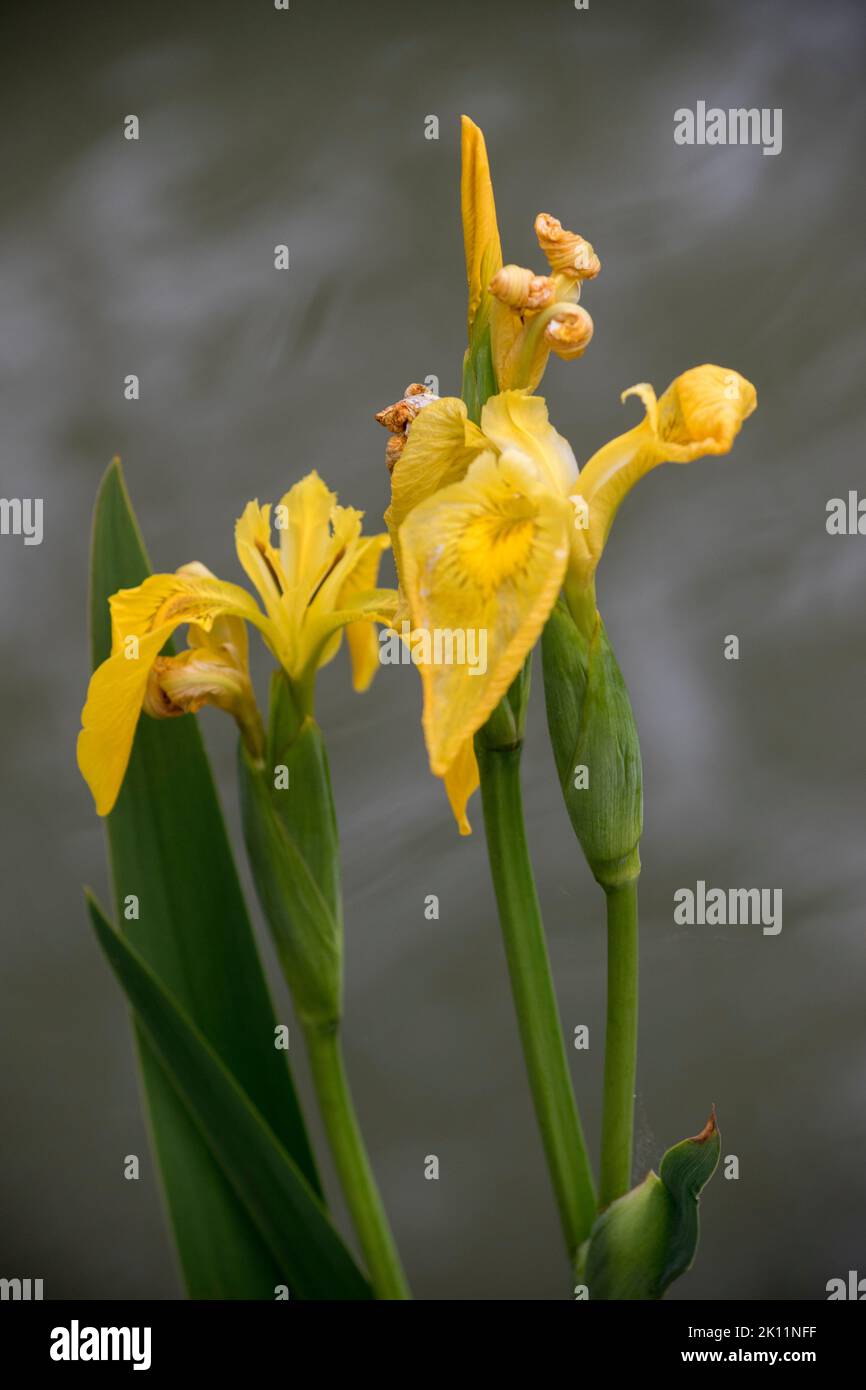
x,y
497,546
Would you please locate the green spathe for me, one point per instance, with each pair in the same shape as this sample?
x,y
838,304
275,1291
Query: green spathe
x,y
291,837
595,745
645,1240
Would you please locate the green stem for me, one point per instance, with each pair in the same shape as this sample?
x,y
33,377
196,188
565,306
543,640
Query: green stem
x,y
534,997
620,1056
352,1164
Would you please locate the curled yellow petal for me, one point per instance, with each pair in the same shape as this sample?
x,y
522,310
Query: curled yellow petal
x,y
483,562
480,230
202,676
700,413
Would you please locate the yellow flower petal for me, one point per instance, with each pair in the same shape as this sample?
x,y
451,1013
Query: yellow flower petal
x,y
441,444
483,563
461,780
262,564
480,231
700,413
225,631
520,428
362,637
307,548
110,716
175,599
143,619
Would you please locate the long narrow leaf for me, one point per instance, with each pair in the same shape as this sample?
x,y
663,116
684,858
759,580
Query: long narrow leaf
x,y
289,1217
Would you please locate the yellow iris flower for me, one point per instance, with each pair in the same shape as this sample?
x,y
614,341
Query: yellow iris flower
x,y
317,580
489,522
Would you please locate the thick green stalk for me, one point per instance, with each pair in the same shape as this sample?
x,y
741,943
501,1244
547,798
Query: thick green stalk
x,y
532,986
325,1052
620,1056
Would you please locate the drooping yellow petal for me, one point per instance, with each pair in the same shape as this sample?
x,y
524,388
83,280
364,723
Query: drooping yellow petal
x,y
700,413
110,716
361,637
483,562
480,230
441,444
461,780
143,619
178,598
519,426
225,631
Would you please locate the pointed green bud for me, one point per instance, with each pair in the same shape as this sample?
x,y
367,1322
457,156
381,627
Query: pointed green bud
x,y
645,1240
595,745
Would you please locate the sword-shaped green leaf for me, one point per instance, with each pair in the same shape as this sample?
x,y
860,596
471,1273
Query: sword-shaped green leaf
x,y
288,1216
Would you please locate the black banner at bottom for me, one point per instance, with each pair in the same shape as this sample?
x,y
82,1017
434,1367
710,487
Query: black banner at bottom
x,y
155,1339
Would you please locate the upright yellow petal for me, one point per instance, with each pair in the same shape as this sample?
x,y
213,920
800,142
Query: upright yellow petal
x,y
261,561
306,542
483,562
520,427
700,413
480,231
461,780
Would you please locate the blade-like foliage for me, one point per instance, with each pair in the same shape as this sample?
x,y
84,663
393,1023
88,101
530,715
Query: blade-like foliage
x,y
287,1215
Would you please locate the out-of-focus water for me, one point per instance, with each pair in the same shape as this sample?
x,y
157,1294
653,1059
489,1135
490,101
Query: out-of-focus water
x,y
307,127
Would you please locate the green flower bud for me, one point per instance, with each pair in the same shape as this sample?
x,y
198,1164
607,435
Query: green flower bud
x,y
595,745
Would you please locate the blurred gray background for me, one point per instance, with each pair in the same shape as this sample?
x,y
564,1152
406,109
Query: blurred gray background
x,y
156,257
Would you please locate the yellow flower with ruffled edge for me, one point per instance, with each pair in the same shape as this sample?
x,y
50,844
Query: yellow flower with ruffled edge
x,y
318,580
516,318
490,522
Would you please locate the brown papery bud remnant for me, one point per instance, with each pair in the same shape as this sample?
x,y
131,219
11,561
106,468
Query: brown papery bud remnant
x,y
566,252
521,289
569,333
